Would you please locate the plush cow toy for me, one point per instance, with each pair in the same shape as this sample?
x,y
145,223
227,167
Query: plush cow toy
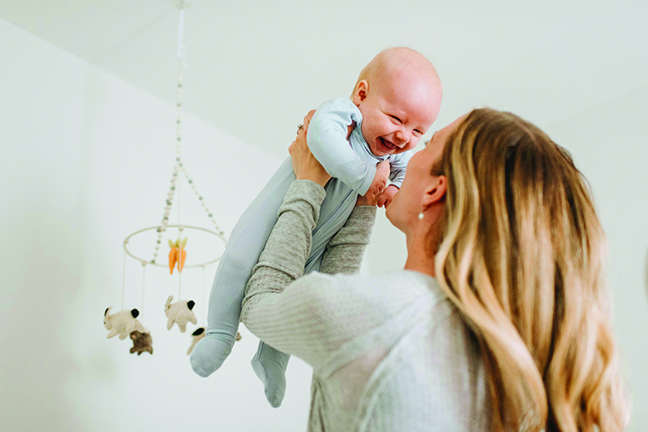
x,y
180,313
142,342
196,336
122,323
199,334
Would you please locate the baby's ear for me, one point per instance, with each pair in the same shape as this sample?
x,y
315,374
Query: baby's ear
x,y
361,92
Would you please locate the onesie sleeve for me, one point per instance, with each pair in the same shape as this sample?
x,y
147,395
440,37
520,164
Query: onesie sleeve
x,y
398,165
327,140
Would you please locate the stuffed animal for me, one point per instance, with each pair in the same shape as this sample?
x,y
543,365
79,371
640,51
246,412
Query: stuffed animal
x,y
180,313
196,337
142,342
122,323
200,333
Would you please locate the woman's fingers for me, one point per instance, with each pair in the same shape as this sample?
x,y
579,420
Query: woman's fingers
x,y
308,118
299,146
382,199
304,163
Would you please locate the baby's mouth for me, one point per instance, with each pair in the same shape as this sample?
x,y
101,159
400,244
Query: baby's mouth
x,y
387,144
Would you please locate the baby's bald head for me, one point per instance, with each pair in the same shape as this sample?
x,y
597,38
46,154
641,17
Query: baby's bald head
x,y
394,64
399,95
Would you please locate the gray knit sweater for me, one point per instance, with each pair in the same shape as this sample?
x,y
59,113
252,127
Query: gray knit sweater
x,y
389,353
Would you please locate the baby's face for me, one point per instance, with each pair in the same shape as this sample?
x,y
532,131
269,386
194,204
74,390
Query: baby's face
x,y
394,117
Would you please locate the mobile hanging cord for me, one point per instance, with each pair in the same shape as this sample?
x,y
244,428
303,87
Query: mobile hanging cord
x,y
143,287
178,167
123,280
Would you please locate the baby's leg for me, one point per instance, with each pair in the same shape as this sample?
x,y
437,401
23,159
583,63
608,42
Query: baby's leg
x,y
268,363
241,254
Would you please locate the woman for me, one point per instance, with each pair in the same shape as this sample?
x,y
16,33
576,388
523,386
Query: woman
x,y
500,320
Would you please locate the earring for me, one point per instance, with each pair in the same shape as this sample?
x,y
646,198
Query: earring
x,y
421,216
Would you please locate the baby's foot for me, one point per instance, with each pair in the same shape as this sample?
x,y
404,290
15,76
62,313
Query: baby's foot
x,y
209,354
270,366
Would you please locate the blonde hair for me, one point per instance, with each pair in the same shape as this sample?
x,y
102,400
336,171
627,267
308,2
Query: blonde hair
x,y
522,257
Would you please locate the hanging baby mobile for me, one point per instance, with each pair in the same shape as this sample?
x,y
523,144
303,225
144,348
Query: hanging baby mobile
x,y
125,323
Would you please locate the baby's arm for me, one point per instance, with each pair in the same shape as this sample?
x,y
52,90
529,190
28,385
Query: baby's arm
x,y
398,164
327,140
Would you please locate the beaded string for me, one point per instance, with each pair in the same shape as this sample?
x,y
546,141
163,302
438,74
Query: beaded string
x,y
179,169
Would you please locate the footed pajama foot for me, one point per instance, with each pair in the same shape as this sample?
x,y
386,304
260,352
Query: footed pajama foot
x,y
209,354
270,366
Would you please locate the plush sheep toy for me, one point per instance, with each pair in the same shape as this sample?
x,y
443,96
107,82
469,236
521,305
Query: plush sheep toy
x,y
122,323
180,313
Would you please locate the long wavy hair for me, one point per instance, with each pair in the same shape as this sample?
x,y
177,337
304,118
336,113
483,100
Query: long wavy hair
x,y
522,257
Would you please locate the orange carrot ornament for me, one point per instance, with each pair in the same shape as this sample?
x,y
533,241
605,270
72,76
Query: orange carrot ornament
x,y
173,256
182,254
177,255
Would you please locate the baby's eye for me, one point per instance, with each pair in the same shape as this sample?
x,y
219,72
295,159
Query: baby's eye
x,y
417,132
395,119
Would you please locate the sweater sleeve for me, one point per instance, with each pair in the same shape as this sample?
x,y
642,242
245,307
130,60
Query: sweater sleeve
x,y
344,252
327,140
287,313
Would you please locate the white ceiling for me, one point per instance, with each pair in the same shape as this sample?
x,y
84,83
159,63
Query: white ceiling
x,y
256,67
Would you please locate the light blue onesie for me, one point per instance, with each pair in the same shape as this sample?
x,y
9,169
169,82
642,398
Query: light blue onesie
x,y
353,167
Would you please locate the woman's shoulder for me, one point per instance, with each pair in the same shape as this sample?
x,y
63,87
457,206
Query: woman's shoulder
x,y
402,284
362,302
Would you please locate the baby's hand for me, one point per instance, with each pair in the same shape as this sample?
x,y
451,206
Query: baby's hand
x,y
379,182
388,194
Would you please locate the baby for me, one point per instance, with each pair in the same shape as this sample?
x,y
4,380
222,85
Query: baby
x,y
396,99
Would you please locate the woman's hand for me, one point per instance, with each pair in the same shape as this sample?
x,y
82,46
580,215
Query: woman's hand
x,y
305,165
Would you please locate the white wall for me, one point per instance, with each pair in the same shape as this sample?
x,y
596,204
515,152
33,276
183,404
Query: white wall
x,y
87,160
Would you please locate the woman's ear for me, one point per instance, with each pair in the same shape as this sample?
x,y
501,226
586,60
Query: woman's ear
x,y
436,191
360,93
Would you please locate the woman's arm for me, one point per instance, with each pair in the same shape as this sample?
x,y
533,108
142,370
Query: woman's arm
x,y
344,252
